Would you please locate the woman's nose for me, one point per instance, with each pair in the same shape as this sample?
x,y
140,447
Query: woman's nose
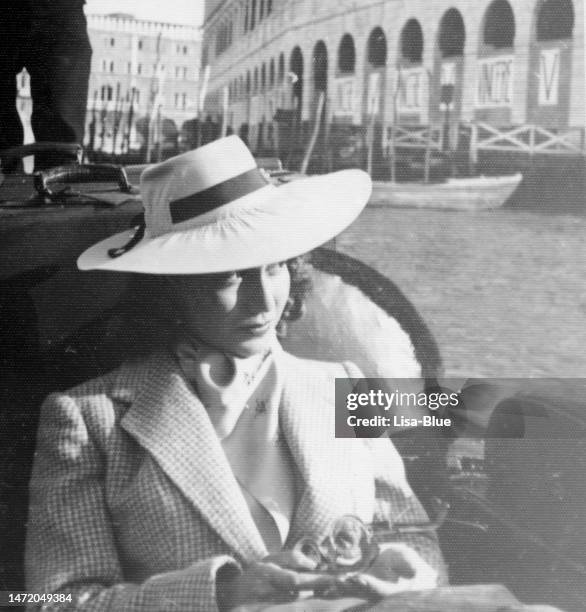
x,y
260,296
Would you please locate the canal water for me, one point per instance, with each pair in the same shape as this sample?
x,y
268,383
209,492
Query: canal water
x,y
503,291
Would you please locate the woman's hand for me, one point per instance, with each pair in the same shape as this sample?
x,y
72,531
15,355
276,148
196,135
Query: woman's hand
x,y
293,560
397,568
278,578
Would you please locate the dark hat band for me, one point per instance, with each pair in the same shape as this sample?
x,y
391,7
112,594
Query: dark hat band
x,y
223,193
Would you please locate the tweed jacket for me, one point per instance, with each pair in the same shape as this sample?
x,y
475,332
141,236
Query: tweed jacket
x,y
134,505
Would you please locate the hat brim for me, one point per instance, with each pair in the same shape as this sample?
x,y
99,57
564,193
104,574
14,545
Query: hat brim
x,y
280,223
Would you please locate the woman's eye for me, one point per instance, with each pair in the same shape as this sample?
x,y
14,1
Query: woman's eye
x,y
222,279
230,277
276,267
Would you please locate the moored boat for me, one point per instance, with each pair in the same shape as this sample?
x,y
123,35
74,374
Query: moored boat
x,y
475,193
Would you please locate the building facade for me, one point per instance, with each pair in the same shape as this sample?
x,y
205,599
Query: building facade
x,y
500,63
143,84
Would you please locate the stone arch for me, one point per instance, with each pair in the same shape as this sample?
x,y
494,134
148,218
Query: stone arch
x,y
551,64
346,55
281,68
411,42
296,67
320,66
376,50
555,20
499,26
452,34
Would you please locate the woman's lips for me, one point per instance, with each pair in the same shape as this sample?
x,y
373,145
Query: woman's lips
x,y
257,328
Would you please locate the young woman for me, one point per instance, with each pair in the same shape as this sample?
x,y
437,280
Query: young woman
x,y
184,479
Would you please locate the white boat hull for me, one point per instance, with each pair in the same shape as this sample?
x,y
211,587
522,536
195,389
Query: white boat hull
x,y
478,193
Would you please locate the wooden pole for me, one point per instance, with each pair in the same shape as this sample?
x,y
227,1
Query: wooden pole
x,y
117,118
393,152
225,103
427,154
313,139
370,150
93,124
103,121
130,119
159,142
473,153
393,127
154,95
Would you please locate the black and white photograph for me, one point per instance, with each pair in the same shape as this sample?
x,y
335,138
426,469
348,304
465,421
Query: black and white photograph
x,y
292,306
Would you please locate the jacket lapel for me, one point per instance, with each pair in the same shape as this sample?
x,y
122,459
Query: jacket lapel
x,y
168,419
336,473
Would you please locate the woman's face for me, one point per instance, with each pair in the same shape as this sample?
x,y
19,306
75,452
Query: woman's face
x,y
235,312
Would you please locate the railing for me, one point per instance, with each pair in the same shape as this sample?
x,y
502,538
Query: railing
x,y
530,139
467,139
414,137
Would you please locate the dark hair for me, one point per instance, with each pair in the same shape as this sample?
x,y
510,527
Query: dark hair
x,y
148,320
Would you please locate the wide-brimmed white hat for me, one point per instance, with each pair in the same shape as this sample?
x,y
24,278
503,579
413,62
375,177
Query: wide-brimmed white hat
x,y
213,210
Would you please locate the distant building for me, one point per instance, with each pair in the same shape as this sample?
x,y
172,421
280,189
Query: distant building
x,y
143,84
516,66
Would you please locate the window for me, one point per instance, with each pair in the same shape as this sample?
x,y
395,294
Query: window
x,y
272,72
377,48
412,42
129,68
261,10
252,14
296,67
185,50
139,69
263,77
281,68
140,45
555,20
269,7
223,37
452,34
346,54
499,25
246,16
112,66
184,72
320,66
184,99
112,42
104,65
255,81
176,100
